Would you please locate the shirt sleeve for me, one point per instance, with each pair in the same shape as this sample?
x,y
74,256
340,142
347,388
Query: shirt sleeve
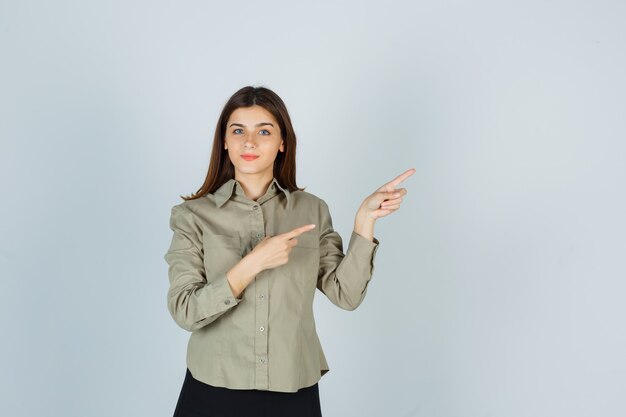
x,y
192,302
343,278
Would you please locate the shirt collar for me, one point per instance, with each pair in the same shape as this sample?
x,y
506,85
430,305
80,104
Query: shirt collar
x,y
225,191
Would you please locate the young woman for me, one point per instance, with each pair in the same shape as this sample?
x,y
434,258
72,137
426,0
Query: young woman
x,y
248,252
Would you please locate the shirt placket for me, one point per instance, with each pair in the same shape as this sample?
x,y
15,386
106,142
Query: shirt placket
x,y
261,374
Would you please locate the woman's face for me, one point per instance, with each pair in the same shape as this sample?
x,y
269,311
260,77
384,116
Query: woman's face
x,y
253,131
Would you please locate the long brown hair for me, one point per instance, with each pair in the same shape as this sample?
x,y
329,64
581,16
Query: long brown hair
x,y
220,167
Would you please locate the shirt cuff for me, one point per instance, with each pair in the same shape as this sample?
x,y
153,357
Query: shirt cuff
x,y
224,294
363,247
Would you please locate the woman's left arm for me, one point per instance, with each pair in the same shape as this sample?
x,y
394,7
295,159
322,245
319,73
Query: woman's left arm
x,y
344,278
384,201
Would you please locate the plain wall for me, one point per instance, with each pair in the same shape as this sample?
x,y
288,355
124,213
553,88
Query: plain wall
x,y
499,285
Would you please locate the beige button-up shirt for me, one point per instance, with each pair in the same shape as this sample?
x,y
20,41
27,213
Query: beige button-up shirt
x,y
266,339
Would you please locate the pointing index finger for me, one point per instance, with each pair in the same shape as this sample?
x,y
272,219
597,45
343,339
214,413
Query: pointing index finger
x,y
397,180
299,230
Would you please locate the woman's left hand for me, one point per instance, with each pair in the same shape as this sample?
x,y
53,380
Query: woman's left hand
x,y
386,199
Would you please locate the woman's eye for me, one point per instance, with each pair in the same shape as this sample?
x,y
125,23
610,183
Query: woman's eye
x,y
265,130
235,131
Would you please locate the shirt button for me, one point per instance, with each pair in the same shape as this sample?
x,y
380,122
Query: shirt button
x,y
262,296
259,235
262,360
261,328
227,302
255,207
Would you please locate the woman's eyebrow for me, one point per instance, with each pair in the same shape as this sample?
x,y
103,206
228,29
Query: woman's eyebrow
x,y
257,125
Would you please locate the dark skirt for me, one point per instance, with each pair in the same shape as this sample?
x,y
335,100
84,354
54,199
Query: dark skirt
x,y
199,399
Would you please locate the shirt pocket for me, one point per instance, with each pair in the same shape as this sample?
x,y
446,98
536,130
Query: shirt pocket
x,y
303,264
221,252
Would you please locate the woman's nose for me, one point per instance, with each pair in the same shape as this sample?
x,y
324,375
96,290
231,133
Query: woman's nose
x,y
249,140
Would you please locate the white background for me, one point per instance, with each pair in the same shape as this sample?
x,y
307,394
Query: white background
x,y
499,285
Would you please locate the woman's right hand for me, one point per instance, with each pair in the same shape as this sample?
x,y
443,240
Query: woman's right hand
x,y
269,253
274,251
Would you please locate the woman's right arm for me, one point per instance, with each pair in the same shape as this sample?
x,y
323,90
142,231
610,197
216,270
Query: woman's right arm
x,y
192,302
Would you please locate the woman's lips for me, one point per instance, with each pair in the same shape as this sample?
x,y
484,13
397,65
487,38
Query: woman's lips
x,y
249,157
